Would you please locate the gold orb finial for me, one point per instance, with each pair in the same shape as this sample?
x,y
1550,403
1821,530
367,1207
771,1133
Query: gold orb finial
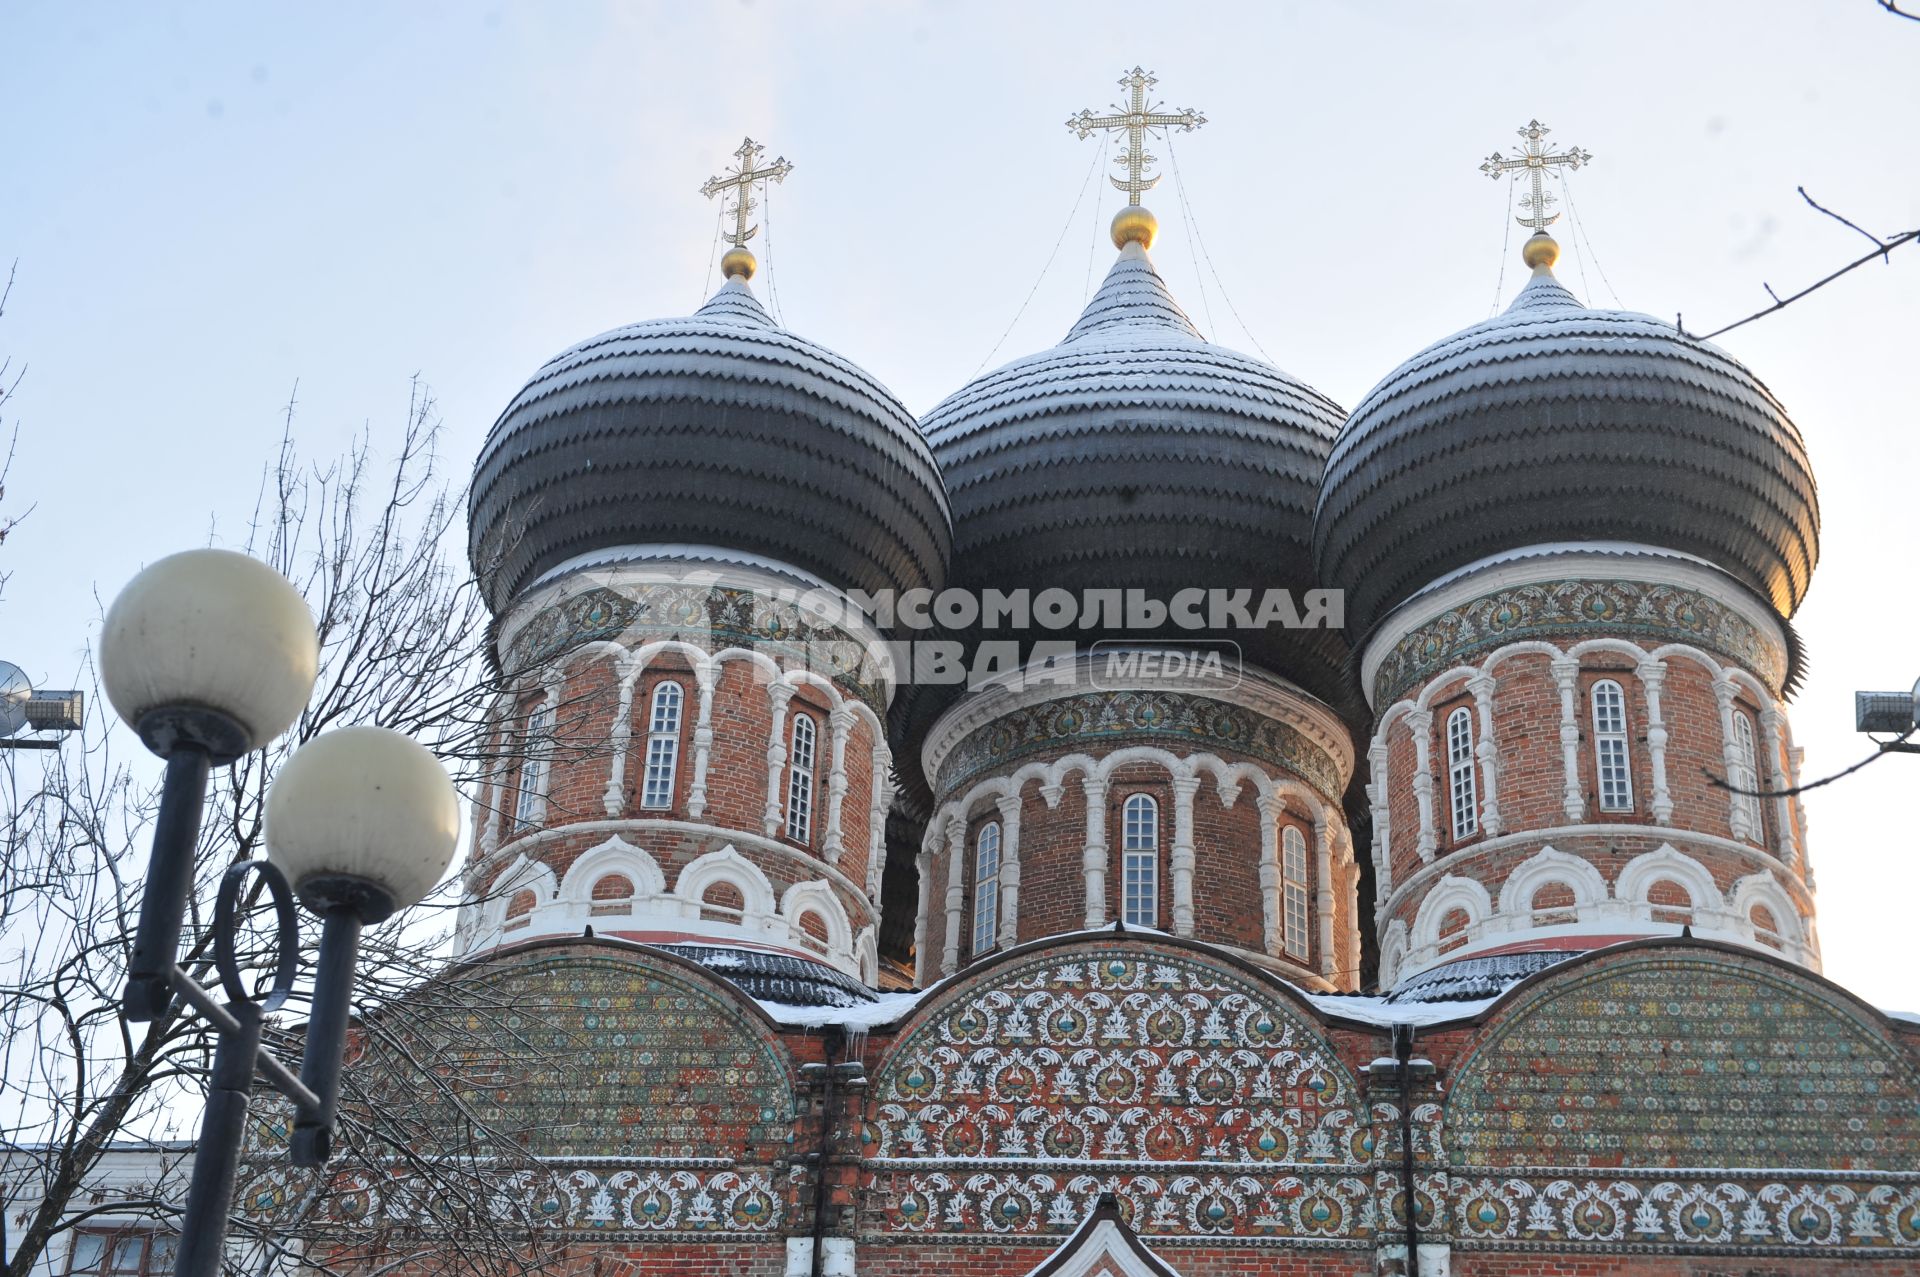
x,y
1134,225
738,262
1541,251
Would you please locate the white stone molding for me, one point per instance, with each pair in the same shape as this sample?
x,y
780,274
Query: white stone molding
x,y
1180,857
615,798
1009,805
1270,905
1452,892
923,862
705,677
956,891
881,772
866,953
1379,791
1653,675
817,898
1481,685
1756,857
1323,890
1763,889
1566,677
1420,726
1667,864
1394,943
839,725
1546,868
1773,739
1093,857
1723,693
727,865
1353,923
779,696
496,785
614,856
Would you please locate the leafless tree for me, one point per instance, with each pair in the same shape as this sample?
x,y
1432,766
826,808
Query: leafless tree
x,y
372,544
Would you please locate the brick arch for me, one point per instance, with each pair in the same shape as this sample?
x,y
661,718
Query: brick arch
x,y
1637,881
1116,1047
1586,884
1649,1065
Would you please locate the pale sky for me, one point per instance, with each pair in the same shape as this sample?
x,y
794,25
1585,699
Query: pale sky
x,y
210,202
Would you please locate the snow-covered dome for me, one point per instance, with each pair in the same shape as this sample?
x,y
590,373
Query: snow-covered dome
x,y
1554,423
719,429
1137,454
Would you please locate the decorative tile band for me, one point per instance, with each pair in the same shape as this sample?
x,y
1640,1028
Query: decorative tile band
x,y
1559,610
1101,720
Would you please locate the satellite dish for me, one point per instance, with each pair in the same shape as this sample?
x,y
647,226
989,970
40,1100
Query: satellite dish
x,y
14,693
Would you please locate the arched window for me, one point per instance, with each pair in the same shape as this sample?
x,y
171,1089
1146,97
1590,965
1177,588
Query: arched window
x,y
986,886
1610,746
530,807
663,746
800,780
1746,774
1140,862
1466,803
1293,890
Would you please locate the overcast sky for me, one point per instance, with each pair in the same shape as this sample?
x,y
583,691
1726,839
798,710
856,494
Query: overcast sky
x,y
208,203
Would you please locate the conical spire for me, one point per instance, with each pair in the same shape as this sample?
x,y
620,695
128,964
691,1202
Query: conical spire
x,y
736,304
1133,296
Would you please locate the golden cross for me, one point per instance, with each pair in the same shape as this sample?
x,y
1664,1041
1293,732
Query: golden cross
x,y
1139,119
740,183
1535,158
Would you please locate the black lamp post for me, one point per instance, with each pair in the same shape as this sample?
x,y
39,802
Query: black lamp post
x,y
1400,1071
208,655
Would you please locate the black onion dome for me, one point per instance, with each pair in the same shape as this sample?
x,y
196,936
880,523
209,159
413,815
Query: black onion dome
x,y
719,429
1136,454
1555,423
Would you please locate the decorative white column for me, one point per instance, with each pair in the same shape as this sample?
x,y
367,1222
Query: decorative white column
x,y
496,786
956,889
1566,674
1270,808
1795,755
1379,794
1009,870
704,678
1093,860
1352,980
882,786
832,843
1736,810
615,799
1653,675
1481,685
1323,889
781,695
1773,730
1420,725
1180,857
923,862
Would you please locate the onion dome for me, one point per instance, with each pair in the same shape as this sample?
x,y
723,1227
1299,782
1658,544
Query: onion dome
x,y
1555,423
720,429
1138,455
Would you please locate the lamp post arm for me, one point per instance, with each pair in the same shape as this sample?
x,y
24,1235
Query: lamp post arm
x,y
163,902
222,1018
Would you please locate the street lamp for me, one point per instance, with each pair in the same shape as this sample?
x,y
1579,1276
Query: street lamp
x,y
208,655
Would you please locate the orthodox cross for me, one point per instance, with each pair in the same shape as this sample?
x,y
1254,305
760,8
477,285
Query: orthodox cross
x,y
1536,158
1138,118
740,183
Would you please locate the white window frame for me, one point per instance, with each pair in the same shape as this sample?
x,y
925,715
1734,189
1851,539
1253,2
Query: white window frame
x,y
536,767
803,746
1746,777
1612,753
1462,790
986,886
663,745
1293,892
1140,861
